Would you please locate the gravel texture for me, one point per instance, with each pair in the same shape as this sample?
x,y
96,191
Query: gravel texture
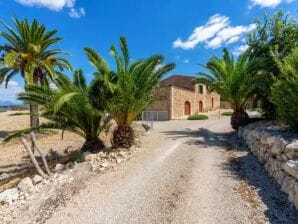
x,y
186,172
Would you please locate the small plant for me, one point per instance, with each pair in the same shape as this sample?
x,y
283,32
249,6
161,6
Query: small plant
x,y
228,113
198,117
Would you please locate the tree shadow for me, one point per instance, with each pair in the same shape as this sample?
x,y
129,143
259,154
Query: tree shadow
x,y
245,167
202,137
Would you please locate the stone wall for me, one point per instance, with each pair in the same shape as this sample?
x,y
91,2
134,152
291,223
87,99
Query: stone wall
x,y
277,151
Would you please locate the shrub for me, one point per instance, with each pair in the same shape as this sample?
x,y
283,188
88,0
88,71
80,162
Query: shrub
x,y
284,97
227,113
198,117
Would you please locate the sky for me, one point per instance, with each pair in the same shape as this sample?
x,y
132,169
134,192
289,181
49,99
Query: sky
x,y
186,32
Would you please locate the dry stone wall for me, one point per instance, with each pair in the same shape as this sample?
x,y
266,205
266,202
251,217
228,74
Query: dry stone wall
x,y
277,151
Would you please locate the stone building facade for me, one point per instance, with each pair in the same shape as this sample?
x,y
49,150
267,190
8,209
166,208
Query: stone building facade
x,y
180,97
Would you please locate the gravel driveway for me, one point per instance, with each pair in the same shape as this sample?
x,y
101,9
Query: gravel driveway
x,y
182,176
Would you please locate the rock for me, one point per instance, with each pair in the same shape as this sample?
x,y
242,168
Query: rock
x,y
278,146
105,164
291,167
8,196
26,185
118,160
288,185
37,179
4,176
59,167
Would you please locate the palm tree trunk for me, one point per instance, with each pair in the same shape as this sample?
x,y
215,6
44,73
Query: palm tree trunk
x,y
239,118
34,118
123,137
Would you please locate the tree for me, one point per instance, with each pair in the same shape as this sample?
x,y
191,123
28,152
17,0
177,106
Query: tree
x,y
285,90
275,38
128,89
28,51
233,80
67,106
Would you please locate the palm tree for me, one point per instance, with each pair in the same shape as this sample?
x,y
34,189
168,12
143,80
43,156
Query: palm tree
x,y
128,89
28,52
233,80
67,106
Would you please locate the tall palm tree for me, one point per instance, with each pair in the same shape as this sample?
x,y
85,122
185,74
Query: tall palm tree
x,y
128,88
233,80
68,106
28,51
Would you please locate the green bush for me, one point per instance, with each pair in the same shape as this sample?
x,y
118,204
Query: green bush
x,y
285,99
227,113
198,117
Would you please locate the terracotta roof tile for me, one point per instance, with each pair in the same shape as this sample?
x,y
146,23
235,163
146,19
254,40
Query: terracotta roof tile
x,y
181,81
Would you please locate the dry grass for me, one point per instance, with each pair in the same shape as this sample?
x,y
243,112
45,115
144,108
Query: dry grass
x,y
13,156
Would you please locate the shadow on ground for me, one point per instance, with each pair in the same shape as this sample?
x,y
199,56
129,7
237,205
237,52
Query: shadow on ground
x,y
278,210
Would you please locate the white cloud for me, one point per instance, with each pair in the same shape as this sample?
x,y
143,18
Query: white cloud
x,y
56,5
186,61
215,33
76,13
240,49
10,93
268,3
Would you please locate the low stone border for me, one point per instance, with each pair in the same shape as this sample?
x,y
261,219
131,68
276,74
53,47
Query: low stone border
x,y
277,151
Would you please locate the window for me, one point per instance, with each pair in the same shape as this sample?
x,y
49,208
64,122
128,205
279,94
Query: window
x,y
201,89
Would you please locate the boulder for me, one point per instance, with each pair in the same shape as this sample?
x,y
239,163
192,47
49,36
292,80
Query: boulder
x,y
26,185
8,196
37,179
291,167
59,167
278,146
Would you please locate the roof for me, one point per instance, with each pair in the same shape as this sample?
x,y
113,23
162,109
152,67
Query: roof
x,y
182,81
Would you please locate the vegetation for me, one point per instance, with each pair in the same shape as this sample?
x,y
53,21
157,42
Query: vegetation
x,y
198,117
27,51
274,38
285,91
227,113
68,106
232,79
127,90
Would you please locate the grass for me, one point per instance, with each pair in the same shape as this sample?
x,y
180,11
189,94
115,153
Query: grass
x,y
227,113
19,114
198,117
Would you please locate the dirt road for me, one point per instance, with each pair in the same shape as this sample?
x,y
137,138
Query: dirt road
x,y
182,176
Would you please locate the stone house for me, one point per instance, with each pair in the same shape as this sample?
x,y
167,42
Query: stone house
x,y
178,97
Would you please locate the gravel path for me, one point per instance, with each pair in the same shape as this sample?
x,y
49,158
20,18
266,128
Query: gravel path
x,y
182,176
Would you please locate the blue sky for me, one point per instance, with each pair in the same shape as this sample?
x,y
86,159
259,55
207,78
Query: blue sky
x,y
187,32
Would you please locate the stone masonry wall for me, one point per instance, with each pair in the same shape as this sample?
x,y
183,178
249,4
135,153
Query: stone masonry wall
x,y
277,151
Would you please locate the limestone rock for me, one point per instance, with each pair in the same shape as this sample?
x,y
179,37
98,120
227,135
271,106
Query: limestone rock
x,y
8,196
291,167
37,179
26,185
288,185
90,157
59,167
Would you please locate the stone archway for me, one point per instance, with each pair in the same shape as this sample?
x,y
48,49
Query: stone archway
x,y
187,108
201,108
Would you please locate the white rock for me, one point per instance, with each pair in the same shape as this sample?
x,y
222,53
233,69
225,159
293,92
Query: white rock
x,y
90,157
37,179
8,196
26,185
105,164
59,167
118,160
291,167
